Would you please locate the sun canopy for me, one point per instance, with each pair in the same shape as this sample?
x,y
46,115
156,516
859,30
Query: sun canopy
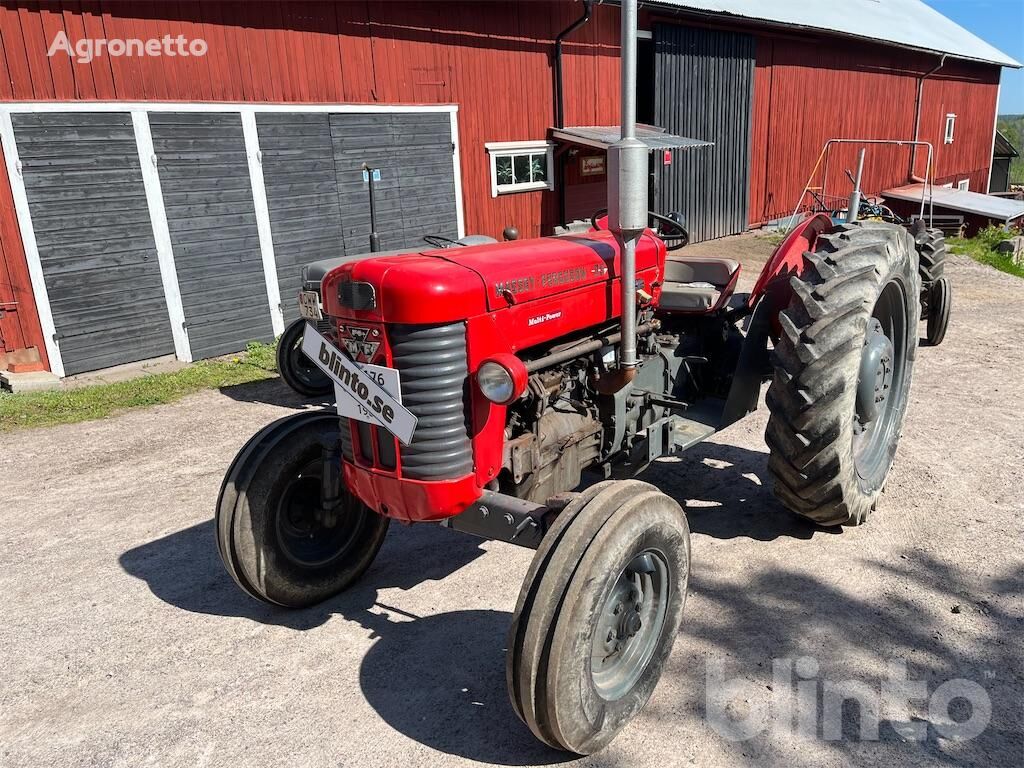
x,y
998,208
603,136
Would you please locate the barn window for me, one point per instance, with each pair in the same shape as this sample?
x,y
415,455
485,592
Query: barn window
x,y
520,166
950,125
964,185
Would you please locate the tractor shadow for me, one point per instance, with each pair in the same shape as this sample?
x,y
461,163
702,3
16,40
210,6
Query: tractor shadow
x,y
726,492
273,392
184,569
936,622
438,679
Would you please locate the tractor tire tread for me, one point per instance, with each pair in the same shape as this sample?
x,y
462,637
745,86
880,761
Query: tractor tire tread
x,y
811,398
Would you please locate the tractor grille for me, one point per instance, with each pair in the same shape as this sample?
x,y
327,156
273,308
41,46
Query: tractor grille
x,y
433,366
345,429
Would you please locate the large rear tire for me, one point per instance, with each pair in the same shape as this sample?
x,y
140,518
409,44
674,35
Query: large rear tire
x,y
931,251
842,375
278,537
298,371
597,615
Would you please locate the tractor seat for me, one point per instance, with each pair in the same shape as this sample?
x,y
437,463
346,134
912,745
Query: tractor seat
x,y
695,283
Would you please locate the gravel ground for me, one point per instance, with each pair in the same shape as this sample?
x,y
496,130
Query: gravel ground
x,y
124,643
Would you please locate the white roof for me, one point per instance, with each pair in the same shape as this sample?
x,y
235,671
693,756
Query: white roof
x,y
909,23
999,208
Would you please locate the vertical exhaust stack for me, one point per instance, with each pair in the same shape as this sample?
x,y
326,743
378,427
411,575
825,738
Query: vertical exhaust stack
x,y
627,194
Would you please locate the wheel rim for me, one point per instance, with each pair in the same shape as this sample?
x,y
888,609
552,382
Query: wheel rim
x,y
880,384
304,369
630,625
302,534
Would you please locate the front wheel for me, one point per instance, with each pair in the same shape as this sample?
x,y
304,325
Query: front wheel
x,y
288,533
298,371
597,615
842,375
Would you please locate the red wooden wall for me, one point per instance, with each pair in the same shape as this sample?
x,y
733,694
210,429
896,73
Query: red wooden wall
x,y
19,320
494,61
807,93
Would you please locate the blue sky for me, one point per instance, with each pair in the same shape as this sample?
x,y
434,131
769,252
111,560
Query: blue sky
x,y
1000,23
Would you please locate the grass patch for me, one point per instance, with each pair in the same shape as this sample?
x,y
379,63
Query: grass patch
x,y
982,248
37,409
773,236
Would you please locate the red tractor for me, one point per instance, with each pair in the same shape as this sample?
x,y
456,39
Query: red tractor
x,y
478,384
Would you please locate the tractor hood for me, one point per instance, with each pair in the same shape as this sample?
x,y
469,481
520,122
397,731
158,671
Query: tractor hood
x,y
450,284
526,270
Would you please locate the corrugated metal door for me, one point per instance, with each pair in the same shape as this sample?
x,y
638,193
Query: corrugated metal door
x,y
204,175
416,192
704,84
92,227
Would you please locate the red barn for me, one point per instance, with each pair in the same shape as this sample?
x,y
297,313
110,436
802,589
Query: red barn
x,y
168,167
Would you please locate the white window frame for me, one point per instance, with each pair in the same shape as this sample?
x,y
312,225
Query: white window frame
x,y
948,186
950,128
497,148
964,185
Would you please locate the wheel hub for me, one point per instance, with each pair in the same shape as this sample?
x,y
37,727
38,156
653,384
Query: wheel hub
x,y
881,386
629,625
309,535
876,374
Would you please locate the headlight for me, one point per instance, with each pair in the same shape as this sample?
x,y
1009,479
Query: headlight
x,y
502,378
496,383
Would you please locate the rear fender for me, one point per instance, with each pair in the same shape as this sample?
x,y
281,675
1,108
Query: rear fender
x,y
788,258
753,365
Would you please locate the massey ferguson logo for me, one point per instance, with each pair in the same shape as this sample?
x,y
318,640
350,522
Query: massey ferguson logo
x,y
506,288
358,347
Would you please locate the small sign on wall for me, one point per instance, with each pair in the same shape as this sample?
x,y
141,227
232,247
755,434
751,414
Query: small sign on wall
x,y
592,165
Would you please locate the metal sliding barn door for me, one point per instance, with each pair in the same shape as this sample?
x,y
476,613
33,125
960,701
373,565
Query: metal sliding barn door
x,y
204,175
88,205
704,85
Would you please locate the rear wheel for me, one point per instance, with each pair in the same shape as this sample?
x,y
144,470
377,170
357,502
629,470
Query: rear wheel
x,y
597,614
936,292
286,535
842,375
298,371
931,250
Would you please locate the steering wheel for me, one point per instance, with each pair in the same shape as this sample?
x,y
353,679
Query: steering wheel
x,y
439,241
671,231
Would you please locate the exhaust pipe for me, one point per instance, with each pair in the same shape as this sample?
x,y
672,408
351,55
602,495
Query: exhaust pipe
x,y
627,195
